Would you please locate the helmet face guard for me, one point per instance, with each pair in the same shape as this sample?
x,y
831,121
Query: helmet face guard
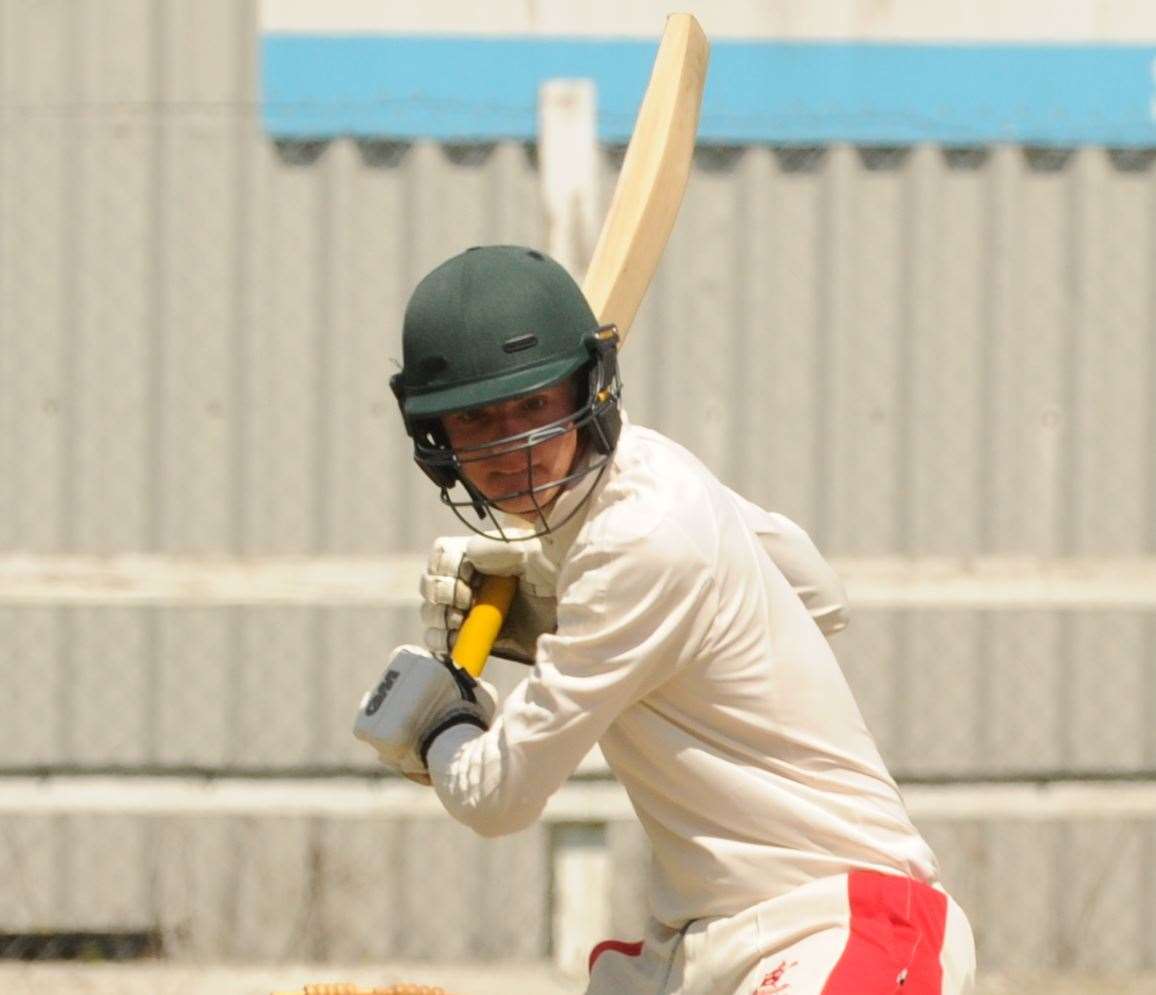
x,y
596,419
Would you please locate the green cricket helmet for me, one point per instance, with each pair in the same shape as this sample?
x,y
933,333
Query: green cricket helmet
x,y
492,324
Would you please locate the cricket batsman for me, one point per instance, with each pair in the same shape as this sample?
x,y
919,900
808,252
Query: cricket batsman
x,y
674,623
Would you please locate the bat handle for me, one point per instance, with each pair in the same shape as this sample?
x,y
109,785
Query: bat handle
x,y
481,627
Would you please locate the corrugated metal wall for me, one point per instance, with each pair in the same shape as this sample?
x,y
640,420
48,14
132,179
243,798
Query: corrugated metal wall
x,y
910,351
1041,894
917,350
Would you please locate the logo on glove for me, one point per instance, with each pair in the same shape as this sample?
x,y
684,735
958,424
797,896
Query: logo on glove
x,y
387,682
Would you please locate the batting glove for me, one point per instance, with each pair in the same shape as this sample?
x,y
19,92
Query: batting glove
x,y
417,699
456,568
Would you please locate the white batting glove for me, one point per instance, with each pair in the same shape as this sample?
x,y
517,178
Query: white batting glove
x,y
452,575
456,567
417,699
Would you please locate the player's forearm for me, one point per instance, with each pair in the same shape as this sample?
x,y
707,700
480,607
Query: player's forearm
x,y
473,778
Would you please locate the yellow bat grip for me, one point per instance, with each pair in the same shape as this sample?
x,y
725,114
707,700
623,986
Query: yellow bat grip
x,y
482,625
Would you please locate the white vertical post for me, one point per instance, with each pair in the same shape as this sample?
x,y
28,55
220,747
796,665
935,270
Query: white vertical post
x,y
568,170
581,893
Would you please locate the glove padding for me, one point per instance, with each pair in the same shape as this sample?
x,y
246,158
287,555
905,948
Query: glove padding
x,y
457,566
417,699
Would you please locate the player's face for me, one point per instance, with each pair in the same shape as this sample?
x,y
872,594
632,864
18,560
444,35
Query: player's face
x,y
511,470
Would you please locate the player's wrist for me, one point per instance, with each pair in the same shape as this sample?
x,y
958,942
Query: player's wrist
x,y
465,714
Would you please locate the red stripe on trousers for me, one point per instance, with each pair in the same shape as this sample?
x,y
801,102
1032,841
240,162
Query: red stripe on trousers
x,y
897,927
618,946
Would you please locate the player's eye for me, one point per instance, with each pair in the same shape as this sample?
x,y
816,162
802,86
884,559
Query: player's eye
x,y
467,419
535,403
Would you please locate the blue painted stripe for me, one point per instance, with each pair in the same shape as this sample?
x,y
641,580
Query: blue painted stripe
x,y
480,89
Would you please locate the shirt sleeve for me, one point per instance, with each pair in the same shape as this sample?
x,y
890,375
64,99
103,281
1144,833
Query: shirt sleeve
x,y
628,617
799,560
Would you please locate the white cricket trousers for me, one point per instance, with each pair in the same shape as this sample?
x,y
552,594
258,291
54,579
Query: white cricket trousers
x,y
863,933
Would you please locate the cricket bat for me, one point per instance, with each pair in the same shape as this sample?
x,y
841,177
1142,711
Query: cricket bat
x,y
639,222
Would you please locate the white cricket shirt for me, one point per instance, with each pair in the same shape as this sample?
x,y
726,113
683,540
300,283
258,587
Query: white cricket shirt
x,y
683,650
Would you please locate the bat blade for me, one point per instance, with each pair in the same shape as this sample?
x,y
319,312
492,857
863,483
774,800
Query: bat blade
x,y
654,175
